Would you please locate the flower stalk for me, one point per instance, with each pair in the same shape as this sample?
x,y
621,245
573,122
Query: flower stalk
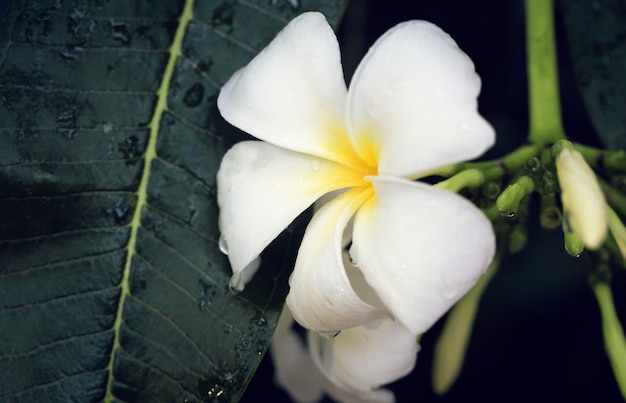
x,y
468,178
614,341
543,82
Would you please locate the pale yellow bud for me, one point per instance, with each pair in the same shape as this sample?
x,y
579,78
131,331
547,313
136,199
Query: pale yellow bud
x,y
583,200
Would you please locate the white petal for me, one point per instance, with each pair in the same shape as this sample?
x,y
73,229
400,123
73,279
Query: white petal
x,y
293,367
412,102
239,279
361,359
262,188
321,297
583,200
421,248
292,94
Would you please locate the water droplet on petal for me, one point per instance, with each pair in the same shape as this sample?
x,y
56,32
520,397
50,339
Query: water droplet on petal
x,y
450,289
373,111
315,165
329,334
330,304
223,245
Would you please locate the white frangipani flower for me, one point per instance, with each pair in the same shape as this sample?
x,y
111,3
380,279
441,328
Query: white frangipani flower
x,y
415,249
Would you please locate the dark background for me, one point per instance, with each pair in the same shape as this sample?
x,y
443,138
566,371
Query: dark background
x,y
537,336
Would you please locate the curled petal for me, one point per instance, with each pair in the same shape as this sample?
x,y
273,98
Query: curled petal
x,y
583,200
361,359
261,189
321,297
292,94
412,103
239,279
421,248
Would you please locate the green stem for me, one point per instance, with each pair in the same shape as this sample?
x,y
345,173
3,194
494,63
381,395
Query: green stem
x,y
613,197
468,178
495,169
543,80
613,161
614,341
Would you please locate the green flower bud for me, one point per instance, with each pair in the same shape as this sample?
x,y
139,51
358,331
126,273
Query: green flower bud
x,y
508,202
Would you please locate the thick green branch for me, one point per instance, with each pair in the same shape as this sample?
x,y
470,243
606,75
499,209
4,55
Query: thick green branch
x,y
543,80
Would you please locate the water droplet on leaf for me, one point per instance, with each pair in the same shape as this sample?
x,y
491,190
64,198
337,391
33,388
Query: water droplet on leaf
x,y
120,31
193,96
204,304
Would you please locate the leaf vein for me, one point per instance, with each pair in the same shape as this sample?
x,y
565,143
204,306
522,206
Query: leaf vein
x,y
264,11
174,325
49,345
228,37
72,91
56,299
59,235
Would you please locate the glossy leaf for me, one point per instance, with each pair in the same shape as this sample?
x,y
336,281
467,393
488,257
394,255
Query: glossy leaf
x,y
112,285
596,38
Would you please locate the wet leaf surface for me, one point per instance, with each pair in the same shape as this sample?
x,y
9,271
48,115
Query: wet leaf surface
x,y
597,42
112,285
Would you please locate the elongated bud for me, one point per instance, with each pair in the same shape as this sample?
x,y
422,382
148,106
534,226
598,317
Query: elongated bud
x,y
583,200
573,244
508,202
452,345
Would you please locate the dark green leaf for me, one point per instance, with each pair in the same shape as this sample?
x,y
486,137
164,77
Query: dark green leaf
x,y
112,285
596,33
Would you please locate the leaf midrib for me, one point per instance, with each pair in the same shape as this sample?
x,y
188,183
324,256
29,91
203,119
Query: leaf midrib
x,y
150,154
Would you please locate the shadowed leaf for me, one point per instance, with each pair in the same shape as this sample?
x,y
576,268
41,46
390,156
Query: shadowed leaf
x,y
112,285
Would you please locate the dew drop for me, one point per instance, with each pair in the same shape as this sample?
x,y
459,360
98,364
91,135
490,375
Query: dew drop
x,y
450,291
330,304
193,96
315,165
223,245
69,134
373,111
119,31
260,347
129,148
204,304
329,334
